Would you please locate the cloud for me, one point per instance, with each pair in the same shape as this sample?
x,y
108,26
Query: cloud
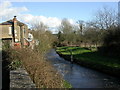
x,y
52,22
8,11
5,4
49,21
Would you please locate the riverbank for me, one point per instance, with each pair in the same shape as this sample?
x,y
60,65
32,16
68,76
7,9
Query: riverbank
x,y
39,69
91,59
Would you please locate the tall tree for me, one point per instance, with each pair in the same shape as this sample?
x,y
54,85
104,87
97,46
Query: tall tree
x,y
67,31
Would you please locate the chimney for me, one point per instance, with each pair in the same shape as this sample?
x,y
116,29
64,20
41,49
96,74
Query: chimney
x,y
14,27
14,19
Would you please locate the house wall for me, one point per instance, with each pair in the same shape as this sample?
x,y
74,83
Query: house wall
x,y
5,31
17,33
23,34
26,31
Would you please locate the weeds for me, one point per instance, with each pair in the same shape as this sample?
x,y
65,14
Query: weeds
x,y
15,64
40,70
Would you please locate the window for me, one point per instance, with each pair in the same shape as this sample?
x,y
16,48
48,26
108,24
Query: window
x,y
15,34
24,30
15,31
10,30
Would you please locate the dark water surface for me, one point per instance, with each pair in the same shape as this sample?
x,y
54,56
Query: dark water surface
x,y
81,77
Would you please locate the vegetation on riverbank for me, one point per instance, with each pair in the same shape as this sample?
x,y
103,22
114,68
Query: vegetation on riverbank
x,y
103,32
40,70
92,59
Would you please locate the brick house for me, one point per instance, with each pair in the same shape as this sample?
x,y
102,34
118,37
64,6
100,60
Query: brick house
x,y
14,32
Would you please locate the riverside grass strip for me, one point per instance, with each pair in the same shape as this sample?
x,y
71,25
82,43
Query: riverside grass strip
x,y
91,59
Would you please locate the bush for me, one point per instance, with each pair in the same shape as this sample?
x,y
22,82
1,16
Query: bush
x,y
40,70
46,41
111,44
6,44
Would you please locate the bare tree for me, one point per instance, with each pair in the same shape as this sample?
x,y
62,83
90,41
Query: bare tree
x,y
39,26
105,18
81,25
119,14
42,34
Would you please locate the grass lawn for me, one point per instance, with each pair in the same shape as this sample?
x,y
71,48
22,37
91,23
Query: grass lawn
x,y
91,58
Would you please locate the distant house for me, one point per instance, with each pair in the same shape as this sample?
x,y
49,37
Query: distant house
x,y
15,32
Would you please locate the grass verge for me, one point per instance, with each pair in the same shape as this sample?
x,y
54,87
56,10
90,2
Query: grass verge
x,y
91,59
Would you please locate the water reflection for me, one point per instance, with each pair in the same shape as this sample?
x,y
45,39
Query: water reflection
x,y
81,77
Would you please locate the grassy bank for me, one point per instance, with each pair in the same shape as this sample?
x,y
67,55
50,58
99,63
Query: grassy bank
x,y
91,59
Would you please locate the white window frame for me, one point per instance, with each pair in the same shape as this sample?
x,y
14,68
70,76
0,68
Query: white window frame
x,y
15,31
15,34
10,30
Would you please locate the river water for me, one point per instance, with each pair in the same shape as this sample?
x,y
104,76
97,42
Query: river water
x,y
79,76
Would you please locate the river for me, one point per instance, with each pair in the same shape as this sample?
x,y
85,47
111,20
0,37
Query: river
x,y
79,76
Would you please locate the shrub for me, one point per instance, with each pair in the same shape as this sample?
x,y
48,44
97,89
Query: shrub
x,y
40,70
111,44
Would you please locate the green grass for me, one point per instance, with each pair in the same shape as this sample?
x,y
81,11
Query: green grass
x,y
67,84
15,64
75,50
91,57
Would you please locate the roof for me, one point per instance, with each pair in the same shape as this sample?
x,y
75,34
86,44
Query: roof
x,y
7,22
10,22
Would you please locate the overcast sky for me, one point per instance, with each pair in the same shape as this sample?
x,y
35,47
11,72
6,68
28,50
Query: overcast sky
x,y
51,13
